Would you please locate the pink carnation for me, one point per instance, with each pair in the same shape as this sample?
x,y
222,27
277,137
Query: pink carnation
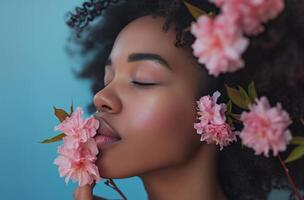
x,y
79,129
78,153
219,44
250,14
212,125
221,134
210,111
265,128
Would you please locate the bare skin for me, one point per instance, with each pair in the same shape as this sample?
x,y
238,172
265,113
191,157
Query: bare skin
x,y
155,122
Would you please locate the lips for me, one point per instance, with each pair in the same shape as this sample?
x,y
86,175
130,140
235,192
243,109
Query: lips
x,y
104,141
106,129
105,134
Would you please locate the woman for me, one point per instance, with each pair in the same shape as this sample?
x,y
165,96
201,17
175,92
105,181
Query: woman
x,y
146,82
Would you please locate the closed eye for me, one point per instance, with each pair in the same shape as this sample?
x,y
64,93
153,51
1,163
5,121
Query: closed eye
x,y
143,84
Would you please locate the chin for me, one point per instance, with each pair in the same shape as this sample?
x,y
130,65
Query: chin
x,y
107,170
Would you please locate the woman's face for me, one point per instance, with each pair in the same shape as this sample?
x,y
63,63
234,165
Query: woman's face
x,y
155,121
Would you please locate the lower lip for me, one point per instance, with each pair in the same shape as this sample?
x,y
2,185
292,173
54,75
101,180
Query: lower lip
x,y
104,141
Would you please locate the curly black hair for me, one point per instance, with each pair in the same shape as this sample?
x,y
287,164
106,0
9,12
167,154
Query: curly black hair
x,y
274,61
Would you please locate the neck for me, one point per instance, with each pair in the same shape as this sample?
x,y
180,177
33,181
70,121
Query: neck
x,y
195,179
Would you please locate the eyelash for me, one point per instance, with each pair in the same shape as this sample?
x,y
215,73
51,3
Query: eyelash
x,y
143,84
140,84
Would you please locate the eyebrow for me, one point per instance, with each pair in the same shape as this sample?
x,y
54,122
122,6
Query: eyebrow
x,y
133,57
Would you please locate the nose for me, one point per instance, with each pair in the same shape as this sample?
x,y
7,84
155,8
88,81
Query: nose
x,y
106,100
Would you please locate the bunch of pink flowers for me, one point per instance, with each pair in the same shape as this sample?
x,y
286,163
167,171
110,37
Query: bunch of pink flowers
x,y
265,127
78,153
220,41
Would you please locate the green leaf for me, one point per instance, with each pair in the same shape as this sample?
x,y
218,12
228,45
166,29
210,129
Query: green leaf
x,y
60,113
229,120
71,109
296,154
297,140
244,95
54,139
236,97
229,106
195,11
252,91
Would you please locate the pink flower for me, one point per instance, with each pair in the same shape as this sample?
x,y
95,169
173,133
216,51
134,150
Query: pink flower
x,y
250,14
265,128
221,134
78,164
219,44
77,128
210,111
212,125
78,153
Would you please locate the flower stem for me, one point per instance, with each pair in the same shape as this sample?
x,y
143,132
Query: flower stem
x,y
290,180
117,189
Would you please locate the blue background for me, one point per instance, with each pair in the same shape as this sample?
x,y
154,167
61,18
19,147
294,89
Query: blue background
x,y
35,74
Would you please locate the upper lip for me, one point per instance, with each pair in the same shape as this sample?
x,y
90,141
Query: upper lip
x,y
105,129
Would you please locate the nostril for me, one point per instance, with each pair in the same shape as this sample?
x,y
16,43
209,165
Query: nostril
x,y
105,108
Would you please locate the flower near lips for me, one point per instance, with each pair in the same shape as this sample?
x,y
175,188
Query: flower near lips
x,y
265,128
212,126
78,153
219,44
77,129
78,164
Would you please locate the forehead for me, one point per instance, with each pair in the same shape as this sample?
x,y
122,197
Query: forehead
x,y
145,34
147,30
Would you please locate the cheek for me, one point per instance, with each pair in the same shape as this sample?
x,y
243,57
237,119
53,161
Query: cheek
x,y
157,133
164,134
161,118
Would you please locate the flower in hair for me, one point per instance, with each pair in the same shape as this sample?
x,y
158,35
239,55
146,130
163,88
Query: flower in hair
x,y
212,126
250,14
265,128
220,43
